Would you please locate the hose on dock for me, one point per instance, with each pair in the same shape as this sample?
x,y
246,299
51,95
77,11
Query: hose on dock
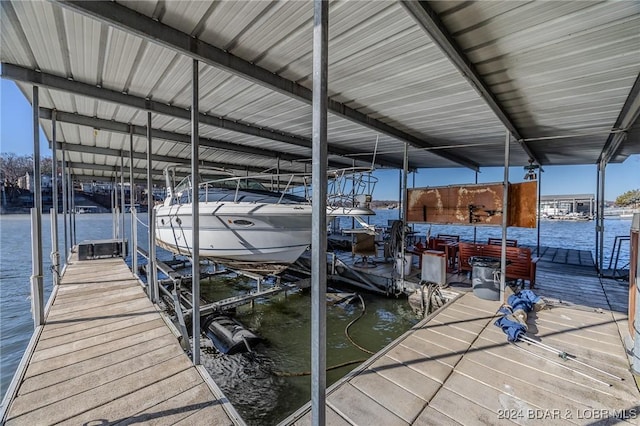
x,y
346,330
433,300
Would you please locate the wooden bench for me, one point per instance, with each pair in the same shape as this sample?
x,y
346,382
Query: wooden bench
x,y
498,242
521,267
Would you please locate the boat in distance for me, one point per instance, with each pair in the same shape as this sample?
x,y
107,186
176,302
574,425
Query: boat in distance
x,y
244,225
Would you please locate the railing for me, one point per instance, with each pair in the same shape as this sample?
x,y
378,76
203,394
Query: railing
x,y
348,187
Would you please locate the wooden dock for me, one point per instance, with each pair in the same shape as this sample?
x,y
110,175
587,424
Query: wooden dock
x,y
106,356
456,367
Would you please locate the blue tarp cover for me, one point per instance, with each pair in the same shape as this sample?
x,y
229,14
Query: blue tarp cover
x,y
523,300
513,329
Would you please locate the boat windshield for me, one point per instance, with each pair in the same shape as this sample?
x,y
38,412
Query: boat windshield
x,y
221,181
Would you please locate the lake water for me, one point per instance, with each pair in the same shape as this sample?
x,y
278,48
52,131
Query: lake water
x,y
268,384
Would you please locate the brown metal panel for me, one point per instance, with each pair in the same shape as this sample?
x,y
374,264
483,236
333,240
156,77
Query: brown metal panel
x,y
479,204
523,202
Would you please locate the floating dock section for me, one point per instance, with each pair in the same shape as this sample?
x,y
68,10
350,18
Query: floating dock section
x,y
105,355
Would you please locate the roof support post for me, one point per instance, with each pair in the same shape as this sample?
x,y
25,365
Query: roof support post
x,y
195,218
65,204
37,287
475,228
539,211
151,261
505,210
319,213
132,204
72,206
403,209
122,230
602,165
55,252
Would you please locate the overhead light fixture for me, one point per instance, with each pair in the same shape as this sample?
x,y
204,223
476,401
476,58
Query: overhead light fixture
x,y
530,171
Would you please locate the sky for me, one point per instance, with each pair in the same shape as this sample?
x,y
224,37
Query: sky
x,y
16,137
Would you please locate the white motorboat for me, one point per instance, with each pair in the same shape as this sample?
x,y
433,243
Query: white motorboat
x,y
244,225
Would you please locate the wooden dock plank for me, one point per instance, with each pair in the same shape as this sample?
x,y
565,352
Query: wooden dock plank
x,y
105,356
177,408
432,417
358,408
390,394
454,405
98,331
68,388
69,372
142,398
96,396
71,348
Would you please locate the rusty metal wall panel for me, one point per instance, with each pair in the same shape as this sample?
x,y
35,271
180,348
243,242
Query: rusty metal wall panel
x,y
479,204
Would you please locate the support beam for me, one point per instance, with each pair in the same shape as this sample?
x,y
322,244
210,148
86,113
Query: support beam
x,y
108,152
319,214
54,82
428,19
126,128
628,115
132,22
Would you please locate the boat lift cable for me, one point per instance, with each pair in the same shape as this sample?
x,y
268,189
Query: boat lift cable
x,y
346,330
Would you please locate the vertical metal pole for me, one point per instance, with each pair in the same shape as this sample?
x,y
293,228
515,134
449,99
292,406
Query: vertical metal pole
x,y
151,263
65,205
598,213
603,169
475,228
403,209
134,241
114,222
195,212
132,203
539,208
37,288
505,211
73,210
55,247
400,195
635,362
122,230
319,214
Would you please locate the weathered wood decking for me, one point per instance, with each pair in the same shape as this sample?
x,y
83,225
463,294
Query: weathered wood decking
x,y
458,368
105,356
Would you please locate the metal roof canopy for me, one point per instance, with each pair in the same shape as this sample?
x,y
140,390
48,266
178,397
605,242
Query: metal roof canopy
x,y
445,77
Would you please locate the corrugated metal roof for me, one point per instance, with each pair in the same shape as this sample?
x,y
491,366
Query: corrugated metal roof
x,y
560,72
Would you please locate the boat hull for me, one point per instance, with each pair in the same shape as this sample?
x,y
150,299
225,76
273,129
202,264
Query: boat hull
x,y
237,232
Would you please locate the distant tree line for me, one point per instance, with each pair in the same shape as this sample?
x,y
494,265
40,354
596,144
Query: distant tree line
x,y
13,167
629,198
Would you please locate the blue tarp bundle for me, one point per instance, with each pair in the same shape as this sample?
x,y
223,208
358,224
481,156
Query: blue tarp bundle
x,y
525,301
512,328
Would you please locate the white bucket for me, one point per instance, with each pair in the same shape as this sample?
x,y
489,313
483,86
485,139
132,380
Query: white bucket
x,y
404,262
